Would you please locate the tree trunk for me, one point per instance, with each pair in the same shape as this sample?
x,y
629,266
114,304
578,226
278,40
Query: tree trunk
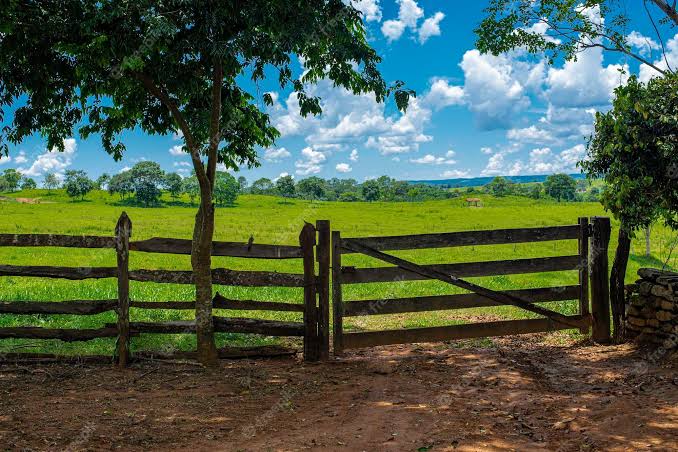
x,y
201,260
617,279
648,248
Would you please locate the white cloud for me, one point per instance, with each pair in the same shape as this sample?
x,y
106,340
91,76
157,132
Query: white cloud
x,y
409,14
177,150
531,134
124,168
21,158
495,165
450,154
644,44
585,82
311,162
180,164
442,94
281,175
370,9
354,155
646,72
454,174
5,159
53,161
276,154
430,27
343,168
430,159
486,150
350,120
493,89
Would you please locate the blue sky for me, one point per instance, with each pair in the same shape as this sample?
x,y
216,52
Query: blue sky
x,y
475,115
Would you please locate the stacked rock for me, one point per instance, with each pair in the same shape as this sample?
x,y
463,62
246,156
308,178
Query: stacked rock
x,y
652,310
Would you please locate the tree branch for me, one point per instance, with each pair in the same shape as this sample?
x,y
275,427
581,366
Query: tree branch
x,y
193,147
659,36
669,10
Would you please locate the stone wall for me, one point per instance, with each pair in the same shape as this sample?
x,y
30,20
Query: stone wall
x,y
652,310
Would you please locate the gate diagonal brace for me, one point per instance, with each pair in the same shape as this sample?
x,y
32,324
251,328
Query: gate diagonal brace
x,y
503,298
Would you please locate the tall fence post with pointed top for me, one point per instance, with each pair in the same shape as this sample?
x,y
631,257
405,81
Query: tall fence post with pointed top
x,y
123,231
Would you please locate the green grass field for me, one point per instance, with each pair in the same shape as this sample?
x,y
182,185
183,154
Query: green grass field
x,y
277,221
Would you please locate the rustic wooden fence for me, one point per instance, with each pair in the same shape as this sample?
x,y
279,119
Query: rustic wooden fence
x,y
315,307
590,262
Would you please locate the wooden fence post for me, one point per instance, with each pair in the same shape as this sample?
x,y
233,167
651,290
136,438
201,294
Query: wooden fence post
x,y
600,289
323,287
123,231
311,343
584,265
337,301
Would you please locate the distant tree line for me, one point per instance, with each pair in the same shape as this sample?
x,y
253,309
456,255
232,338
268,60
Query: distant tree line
x,y
144,184
383,188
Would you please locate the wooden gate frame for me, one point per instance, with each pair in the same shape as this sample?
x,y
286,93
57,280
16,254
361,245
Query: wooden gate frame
x,y
405,270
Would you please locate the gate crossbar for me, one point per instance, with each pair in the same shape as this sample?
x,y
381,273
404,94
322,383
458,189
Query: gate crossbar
x,y
499,297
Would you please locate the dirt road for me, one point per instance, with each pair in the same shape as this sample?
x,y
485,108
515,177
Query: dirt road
x,y
518,395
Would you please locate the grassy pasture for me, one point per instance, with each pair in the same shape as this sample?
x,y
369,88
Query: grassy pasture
x,y
277,221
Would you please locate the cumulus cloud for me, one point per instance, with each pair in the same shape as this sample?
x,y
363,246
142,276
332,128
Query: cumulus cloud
x,y
430,159
430,27
21,158
354,155
369,8
647,72
350,120
177,150
643,44
494,88
409,14
52,161
343,168
5,159
442,94
531,134
310,163
276,154
453,174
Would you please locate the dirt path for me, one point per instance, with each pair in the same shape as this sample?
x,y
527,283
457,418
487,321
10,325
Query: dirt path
x,y
518,395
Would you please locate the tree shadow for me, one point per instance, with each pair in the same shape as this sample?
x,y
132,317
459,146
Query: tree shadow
x,y
649,261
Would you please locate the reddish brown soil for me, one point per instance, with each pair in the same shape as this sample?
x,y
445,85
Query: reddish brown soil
x,y
518,395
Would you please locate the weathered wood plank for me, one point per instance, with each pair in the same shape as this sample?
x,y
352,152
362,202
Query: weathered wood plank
x,y
600,287
352,275
256,326
583,247
467,238
311,338
266,351
460,301
221,302
71,273
323,286
75,307
222,325
56,240
66,335
223,277
231,249
337,298
466,331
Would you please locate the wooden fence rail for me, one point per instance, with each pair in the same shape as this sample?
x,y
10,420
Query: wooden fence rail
x,y
315,306
480,297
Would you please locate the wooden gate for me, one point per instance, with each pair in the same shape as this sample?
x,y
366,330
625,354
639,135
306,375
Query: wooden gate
x,y
590,266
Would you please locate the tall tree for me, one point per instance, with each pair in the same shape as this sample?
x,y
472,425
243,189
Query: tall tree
x,y
167,66
172,184
12,178
78,184
560,187
635,150
51,182
285,186
147,177
226,189
28,184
